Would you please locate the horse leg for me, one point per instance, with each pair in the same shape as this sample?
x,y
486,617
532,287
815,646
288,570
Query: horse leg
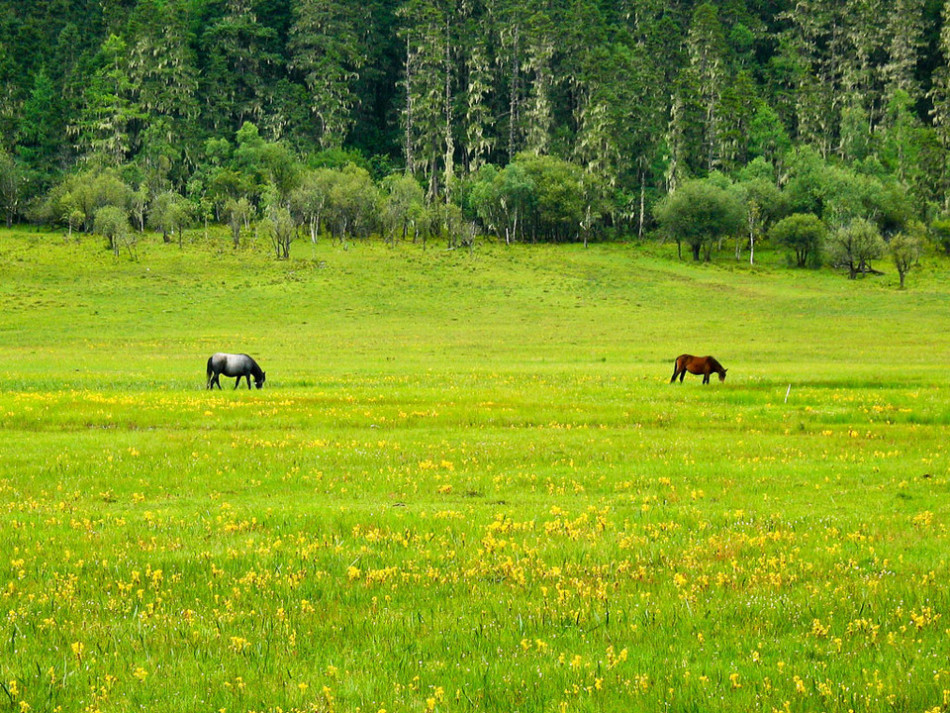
x,y
676,371
706,377
216,380
248,377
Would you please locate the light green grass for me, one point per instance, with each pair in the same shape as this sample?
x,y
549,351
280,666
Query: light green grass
x,y
468,484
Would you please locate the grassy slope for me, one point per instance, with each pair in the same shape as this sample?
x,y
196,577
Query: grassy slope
x,y
457,457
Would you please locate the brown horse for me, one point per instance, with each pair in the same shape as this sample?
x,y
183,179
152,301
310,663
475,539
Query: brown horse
x,y
705,365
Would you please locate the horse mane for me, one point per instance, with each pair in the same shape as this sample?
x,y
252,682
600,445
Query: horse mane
x,y
716,366
255,369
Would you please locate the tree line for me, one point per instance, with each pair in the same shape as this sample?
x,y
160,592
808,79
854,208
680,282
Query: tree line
x,y
529,119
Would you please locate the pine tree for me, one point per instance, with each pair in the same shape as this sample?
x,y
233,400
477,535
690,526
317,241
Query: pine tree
x,y
810,54
538,108
325,50
425,113
939,96
40,128
103,132
478,140
905,29
163,71
707,54
239,68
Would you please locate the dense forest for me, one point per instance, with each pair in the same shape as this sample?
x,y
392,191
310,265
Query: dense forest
x,y
529,119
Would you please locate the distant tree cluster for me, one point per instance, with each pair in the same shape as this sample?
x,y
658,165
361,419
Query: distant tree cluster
x,y
534,119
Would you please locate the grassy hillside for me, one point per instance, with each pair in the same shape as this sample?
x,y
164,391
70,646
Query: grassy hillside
x,y
468,484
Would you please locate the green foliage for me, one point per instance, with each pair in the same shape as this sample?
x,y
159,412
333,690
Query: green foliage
x,y
940,230
557,203
853,246
904,249
40,130
308,201
281,229
607,107
169,212
112,223
238,214
804,233
403,207
81,195
698,213
352,202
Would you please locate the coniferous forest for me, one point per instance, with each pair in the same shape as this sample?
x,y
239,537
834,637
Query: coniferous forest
x,y
525,119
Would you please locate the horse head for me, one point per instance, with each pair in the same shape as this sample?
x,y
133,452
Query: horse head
x,y
722,375
259,383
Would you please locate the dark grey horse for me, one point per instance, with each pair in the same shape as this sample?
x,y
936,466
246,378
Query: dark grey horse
x,y
239,365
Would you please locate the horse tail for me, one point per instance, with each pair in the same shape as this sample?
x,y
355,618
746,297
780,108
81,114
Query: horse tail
x,y
210,370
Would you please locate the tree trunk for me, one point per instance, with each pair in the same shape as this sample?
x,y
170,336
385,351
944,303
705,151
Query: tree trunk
x,y
643,193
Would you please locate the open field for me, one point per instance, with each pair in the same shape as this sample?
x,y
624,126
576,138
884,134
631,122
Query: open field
x,y
467,484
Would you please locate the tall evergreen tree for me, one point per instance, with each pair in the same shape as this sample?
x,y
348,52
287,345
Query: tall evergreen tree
x,y
104,130
538,108
940,98
425,112
239,67
708,65
164,73
479,140
40,128
905,29
325,50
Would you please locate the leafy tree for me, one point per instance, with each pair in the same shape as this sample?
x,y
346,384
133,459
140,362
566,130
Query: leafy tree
x,y
803,233
940,230
455,228
558,200
763,204
238,214
308,201
698,213
164,75
707,50
112,223
854,246
906,32
904,249
281,229
170,212
76,199
351,205
402,206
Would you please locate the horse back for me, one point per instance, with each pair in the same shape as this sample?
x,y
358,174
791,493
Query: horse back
x,y
231,364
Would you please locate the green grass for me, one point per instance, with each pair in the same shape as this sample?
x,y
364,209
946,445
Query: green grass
x,y
468,484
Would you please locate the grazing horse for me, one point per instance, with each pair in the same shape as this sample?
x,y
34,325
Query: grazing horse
x,y
697,365
239,365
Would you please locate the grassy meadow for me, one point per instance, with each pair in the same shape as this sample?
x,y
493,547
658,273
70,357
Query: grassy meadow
x,y
467,484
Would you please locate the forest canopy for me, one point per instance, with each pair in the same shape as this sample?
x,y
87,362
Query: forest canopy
x,y
548,118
